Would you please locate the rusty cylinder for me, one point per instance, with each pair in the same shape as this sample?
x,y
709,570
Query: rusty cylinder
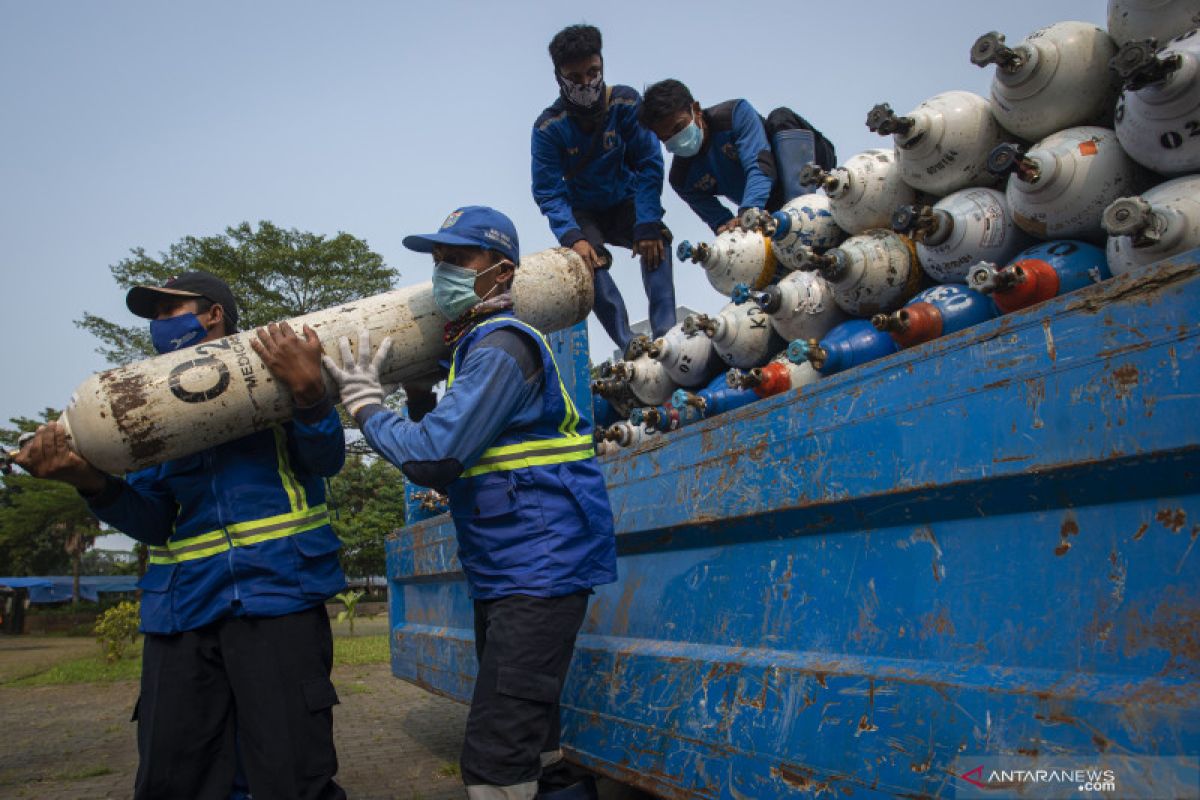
x,y
180,403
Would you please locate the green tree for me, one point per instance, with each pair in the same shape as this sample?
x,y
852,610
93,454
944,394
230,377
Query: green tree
x,y
45,527
368,495
274,274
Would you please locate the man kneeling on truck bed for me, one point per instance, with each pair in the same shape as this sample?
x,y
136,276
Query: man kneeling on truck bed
x,y
529,503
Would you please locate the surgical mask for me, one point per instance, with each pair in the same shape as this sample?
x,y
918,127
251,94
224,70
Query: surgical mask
x,y
176,333
686,143
454,288
583,95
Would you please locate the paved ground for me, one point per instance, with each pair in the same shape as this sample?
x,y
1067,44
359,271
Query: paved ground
x,y
66,742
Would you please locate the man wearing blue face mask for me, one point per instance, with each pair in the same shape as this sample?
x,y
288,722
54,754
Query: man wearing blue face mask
x,y
237,649
724,151
529,503
597,177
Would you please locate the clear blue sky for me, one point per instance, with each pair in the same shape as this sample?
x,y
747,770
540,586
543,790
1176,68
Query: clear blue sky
x,y
134,124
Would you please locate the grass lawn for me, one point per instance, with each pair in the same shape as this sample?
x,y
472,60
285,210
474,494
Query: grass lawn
x,y
347,651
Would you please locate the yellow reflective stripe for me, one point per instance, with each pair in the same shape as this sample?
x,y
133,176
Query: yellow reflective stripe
x,y
533,446
570,421
521,462
295,492
242,534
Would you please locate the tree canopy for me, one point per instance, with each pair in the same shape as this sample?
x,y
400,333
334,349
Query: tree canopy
x,y
273,273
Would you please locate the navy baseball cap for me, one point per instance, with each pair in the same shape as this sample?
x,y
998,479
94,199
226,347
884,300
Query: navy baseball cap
x,y
472,226
143,300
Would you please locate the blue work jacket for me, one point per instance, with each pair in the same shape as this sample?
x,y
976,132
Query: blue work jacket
x,y
625,162
240,529
734,162
528,500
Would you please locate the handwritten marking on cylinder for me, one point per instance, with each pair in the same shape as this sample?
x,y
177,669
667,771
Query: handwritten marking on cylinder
x,y
175,380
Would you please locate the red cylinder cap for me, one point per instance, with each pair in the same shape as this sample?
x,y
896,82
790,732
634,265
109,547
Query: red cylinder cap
x,y
776,379
921,323
1040,282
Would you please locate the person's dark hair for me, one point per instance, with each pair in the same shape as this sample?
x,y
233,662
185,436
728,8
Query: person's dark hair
x,y
573,43
663,99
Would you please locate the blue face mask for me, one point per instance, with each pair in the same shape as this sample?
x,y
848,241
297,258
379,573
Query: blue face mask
x,y
686,143
454,288
176,333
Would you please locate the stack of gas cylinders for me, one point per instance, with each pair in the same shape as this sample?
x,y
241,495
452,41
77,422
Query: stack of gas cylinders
x,y
1082,164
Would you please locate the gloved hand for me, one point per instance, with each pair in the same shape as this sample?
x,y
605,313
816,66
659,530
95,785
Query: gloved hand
x,y
358,379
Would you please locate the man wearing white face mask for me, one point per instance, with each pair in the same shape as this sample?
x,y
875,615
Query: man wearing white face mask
x,y
597,176
529,503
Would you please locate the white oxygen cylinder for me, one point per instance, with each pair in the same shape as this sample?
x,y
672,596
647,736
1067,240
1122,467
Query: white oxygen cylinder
x,y
173,405
803,226
647,379
864,191
734,257
1158,114
1061,186
1161,223
688,359
741,334
801,306
943,143
959,231
872,273
1056,78
1135,20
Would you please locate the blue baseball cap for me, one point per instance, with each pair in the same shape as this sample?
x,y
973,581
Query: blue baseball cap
x,y
472,226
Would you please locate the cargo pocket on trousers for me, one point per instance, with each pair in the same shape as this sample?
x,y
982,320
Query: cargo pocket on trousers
x,y
525,684
318,755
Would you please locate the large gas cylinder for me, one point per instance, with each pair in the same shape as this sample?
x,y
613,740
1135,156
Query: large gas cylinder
x,y
1056,78
716,398
689,360
1131,20
646,377
666,417
1162,222
776,377
736,256
1158,115
741,334
1039,273
802,227
801,306
1061,186
864,191
969,226
626,434
934,312
943,143
176,404
871,273
854,342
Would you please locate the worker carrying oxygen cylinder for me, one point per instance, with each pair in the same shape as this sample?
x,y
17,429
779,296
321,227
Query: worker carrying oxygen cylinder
x,y
535,529
237,649
597,177
726,150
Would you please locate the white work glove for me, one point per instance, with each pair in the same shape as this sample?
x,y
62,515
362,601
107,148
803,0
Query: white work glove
x,y
358,380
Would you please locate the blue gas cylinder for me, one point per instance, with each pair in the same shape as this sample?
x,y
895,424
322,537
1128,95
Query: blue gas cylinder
x,y
1043,271
935,312
846,345
716,398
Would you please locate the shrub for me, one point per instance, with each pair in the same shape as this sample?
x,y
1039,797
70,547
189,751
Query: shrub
x,y
117,629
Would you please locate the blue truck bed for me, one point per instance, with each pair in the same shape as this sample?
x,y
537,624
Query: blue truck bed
x,y
982,546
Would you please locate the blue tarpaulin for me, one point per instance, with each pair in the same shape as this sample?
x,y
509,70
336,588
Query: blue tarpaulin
x,y
60,588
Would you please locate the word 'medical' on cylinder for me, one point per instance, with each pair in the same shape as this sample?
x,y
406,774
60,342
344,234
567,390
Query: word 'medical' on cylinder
x,y
173,405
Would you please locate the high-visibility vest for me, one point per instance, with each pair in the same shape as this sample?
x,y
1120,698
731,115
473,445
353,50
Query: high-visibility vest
x,y
532,511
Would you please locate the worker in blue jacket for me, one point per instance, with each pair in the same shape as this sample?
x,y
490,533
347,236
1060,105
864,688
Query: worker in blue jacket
x,y
535,530
238,649
723,151
598,175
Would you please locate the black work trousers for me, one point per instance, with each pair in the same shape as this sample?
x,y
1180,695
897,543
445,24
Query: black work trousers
x,y
524,645
264,680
